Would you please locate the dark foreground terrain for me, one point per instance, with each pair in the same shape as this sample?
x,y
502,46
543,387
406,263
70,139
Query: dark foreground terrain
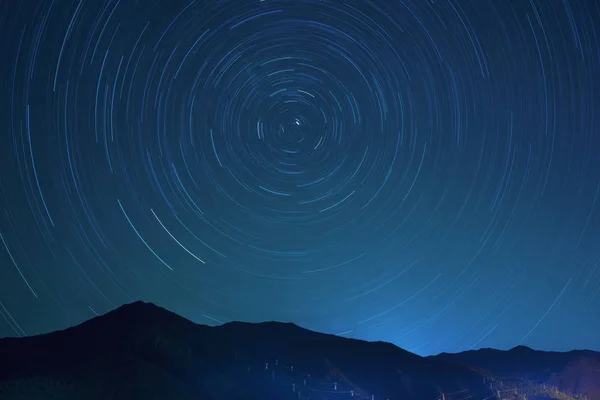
x,y
141,351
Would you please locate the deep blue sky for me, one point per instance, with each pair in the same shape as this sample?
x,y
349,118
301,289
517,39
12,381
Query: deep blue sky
x,y
420,172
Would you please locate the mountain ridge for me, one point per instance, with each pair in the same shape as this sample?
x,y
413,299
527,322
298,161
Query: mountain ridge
x,y
190,359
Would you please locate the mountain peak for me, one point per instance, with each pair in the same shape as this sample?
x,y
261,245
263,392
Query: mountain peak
x,y
140,310
140,305
522,349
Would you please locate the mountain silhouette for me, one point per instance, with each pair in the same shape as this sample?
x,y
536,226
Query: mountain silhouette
x,y
576,371
141,351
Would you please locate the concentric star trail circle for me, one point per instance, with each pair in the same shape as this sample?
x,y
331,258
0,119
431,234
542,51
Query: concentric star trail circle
x,y
386,169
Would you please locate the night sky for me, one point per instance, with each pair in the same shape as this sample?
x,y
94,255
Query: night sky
x,y
421,172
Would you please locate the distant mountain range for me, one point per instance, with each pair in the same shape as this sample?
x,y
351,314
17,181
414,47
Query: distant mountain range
x,y
141,351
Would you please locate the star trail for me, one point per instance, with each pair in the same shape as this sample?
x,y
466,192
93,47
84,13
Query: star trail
x,y
420,172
